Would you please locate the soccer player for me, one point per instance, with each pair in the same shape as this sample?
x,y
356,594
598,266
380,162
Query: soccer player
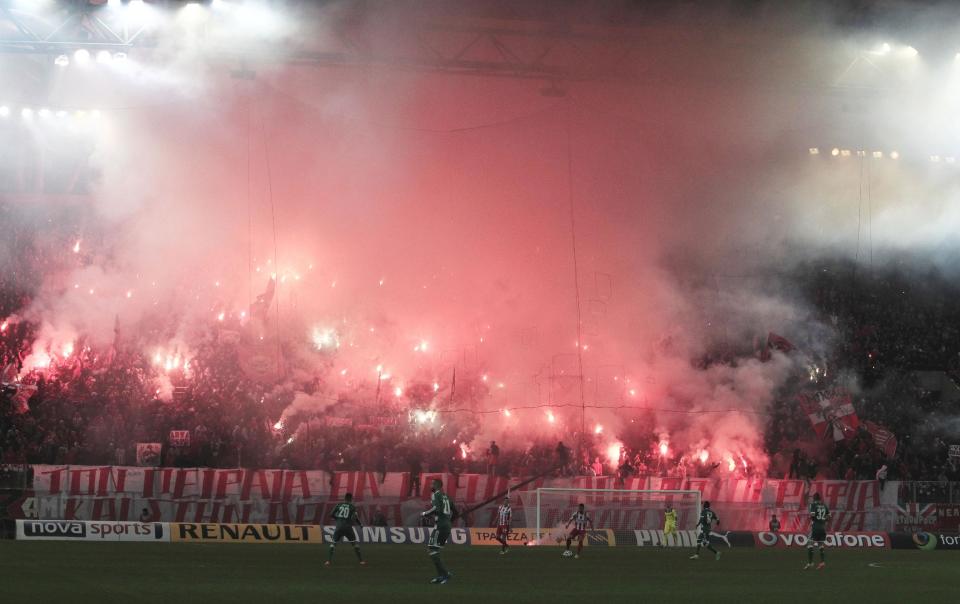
x,y
580,522
442,511
819,514
669,524
345,515
504,518
707,518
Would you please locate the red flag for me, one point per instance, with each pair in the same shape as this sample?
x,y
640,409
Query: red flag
x,y
830,410
261,306
884,439
779,342
24,393
9,374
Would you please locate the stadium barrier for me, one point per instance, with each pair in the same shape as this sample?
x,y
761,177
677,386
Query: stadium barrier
x,y
184,532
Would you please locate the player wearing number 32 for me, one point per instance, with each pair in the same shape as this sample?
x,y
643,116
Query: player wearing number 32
x,y
443,512
819,514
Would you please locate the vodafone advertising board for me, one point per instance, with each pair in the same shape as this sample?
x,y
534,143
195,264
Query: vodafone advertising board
x,y
79,530
837,539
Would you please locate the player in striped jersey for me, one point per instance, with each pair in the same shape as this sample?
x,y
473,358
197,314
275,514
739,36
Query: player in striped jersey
x,y
580,521
504,518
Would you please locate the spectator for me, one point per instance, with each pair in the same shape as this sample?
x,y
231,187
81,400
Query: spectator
x,y
774,524
563,458
597,467
493,458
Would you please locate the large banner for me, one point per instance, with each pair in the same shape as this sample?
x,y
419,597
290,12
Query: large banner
x,y
204,495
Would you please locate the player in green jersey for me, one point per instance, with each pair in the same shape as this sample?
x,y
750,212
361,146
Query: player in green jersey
x,y
442,510
345,515
707,518
819,515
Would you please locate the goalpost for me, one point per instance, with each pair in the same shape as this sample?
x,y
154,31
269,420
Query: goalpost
x,y
615,509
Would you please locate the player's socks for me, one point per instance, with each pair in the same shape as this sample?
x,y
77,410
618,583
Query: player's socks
x,y
717,555
356,550
568,544
823,555
330,557
810,555
438,563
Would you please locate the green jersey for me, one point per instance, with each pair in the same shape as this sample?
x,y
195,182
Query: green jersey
x,y
819,515
345,514
707,518
441,508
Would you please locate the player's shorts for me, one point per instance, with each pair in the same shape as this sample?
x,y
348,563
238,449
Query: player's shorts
x,y
346,532
670,529
502,531
818,535
578,534
439,536
703,538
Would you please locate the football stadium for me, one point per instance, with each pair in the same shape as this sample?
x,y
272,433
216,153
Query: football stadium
x,y
523,300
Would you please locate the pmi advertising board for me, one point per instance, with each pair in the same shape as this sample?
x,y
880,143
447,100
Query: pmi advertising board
x,y
79,530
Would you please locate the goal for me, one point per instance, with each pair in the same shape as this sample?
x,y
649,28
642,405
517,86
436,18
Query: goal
x,y
614,509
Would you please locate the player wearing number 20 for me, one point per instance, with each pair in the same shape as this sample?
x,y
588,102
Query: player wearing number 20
x,y
819,514
443,512
345,515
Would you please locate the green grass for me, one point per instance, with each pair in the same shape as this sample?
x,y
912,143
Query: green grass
x,y
186,573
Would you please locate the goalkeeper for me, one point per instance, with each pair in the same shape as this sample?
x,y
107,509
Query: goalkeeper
x,y
669,524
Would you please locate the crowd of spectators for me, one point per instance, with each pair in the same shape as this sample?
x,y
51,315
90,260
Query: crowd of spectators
x,y
95,405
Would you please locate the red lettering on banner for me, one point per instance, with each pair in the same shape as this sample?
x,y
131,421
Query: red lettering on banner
x,y
789,491
182,482
224,481
296,480
262,481
72,510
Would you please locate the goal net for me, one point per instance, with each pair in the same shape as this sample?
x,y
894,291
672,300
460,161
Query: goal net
x,y
617,510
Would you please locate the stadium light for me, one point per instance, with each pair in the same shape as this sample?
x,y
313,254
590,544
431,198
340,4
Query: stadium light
x,y
835,152
894,155
4,111
950,159
910,51
878,155
935,159
61,61
104,57
844,152
26,113
44,112
81,56
61,113
814,151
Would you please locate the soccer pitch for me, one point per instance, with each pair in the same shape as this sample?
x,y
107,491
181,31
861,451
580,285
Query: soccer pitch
x,y
187,573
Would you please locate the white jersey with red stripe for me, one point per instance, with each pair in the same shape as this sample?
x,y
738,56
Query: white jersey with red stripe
x,y
580,520
504,515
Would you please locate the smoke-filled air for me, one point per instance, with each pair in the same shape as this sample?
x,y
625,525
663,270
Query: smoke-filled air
x,y
316,260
